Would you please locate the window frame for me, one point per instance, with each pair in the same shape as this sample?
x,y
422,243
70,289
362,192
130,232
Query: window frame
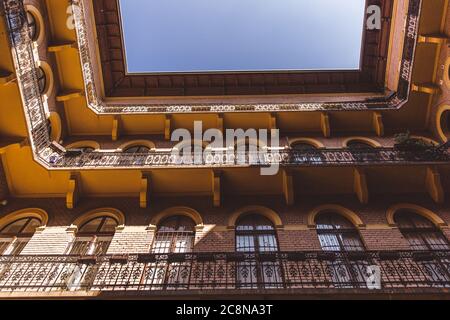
x,y
420,232
172,236
255,234
15,242
93,239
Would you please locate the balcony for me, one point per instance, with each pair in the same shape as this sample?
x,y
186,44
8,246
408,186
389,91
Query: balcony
x,y
45,153
275,272
24,61
285,158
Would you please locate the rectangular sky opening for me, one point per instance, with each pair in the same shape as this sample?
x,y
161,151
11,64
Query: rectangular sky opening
x,y
183,36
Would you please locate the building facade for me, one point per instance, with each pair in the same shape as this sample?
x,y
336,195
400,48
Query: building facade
x,y
97,201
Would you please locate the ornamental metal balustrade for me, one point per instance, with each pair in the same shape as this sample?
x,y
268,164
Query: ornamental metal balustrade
x,y
54,158
388,270
391,101
22,42
285,158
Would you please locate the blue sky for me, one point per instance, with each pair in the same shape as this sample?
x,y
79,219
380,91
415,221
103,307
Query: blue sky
x,y
241,35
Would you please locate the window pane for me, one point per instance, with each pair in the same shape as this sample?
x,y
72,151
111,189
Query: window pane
x,y
4,245
42,80
245,244
101,246
91,226
137,149
358,145
177,223
80,246
161,245
183,243
436,241
31,226
352,242
267,242
175,234
18,246
32,26
336,233
420,232
15,226
254,222
415,241
333,221
329,242
109,225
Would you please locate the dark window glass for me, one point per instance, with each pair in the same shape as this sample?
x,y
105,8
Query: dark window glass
x,y
447,119
15,236
337,233
86,149
94,236
445,122
101,225
302,146
42,80
255,233
421,233
306,153
32,26
175,235
356,144
137,149
25,226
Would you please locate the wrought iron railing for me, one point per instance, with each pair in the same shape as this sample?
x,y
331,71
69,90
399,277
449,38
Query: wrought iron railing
x,y
26,74
98,105
56,158
378,270
21,43
318,157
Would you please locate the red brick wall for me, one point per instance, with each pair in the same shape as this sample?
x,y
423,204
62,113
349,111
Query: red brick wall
x,y
298,240
215,235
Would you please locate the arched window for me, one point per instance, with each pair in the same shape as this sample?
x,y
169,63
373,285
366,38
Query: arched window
x,y
339,235
255,233
306,153
15,235
175,234
86,149
33,29
421,233
445,122
358,145
336,233
303,146
137,149
42,80
94,236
